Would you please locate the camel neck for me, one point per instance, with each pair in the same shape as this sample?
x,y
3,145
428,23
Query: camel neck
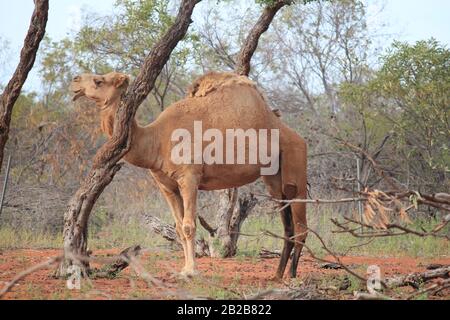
x,y
143,150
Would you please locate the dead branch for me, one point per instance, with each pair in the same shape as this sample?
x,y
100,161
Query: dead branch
x,y
133,262
375,165
371,296
416,279
269,254
438,200
443,198
305,292
387,231
169,233
212,231
433,289
152,281
314,256
29,271
321,201
112,270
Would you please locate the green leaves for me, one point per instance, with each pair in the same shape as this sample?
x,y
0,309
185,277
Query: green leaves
x,y
412,93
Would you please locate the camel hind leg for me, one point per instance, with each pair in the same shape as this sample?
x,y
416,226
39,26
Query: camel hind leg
x,y
300,231
286,218
274,186
294,182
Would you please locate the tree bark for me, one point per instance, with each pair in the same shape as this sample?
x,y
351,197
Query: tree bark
x,y
230,217
220,243
232,212
252,40
105,164
12,91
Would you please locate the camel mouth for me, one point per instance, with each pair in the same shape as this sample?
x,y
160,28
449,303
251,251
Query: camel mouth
x,y
78,94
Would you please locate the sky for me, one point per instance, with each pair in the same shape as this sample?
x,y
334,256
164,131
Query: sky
x,y
406,20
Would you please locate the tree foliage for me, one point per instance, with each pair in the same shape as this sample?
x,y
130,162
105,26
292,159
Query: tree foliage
x,y
410,94
121,42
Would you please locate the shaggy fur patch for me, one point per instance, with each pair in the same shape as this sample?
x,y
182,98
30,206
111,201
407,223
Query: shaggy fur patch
x,y
212,81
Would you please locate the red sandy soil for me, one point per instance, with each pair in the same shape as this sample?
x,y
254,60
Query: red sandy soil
x,y
233,276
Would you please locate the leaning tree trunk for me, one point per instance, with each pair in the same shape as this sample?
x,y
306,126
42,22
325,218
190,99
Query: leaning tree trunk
x,y
12,91
105,164
233,206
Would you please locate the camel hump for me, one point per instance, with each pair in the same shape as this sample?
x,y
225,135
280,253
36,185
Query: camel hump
x,y
212,81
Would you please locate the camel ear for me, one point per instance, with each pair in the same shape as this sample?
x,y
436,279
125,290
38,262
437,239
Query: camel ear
x,y
121,80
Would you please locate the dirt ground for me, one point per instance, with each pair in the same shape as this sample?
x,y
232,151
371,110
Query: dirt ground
x,y
219,278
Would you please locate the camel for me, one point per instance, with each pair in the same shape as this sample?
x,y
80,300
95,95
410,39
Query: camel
x,y
220,101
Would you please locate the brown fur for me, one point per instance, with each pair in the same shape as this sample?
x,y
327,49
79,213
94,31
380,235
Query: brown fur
x,y
221,101
213,80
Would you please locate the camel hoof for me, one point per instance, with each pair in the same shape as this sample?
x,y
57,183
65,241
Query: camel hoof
x,y
277,278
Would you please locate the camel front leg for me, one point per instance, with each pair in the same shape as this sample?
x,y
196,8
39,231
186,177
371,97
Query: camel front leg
x,y
175,203
189,190
173,198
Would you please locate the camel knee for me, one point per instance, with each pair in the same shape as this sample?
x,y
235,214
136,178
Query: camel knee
x,y
290,191
189,229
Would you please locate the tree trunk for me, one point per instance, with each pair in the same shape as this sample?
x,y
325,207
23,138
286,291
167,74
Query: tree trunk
x,y
105,162
251,42
230,217
233,210
220,243
12,91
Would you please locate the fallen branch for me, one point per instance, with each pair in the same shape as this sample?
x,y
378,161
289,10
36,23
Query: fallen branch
x,y
433,289
371,296
112,270
314,256
416,279
27,272
169,233
268,254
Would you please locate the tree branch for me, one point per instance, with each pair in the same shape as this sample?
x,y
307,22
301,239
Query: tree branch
x,y
12,91
251,42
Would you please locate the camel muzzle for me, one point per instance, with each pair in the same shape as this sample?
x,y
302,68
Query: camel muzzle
x,y
76,88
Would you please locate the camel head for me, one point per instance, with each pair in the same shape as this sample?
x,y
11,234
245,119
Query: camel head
x,y
103,89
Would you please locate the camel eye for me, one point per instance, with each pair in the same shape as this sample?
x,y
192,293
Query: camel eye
x,y
98,82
